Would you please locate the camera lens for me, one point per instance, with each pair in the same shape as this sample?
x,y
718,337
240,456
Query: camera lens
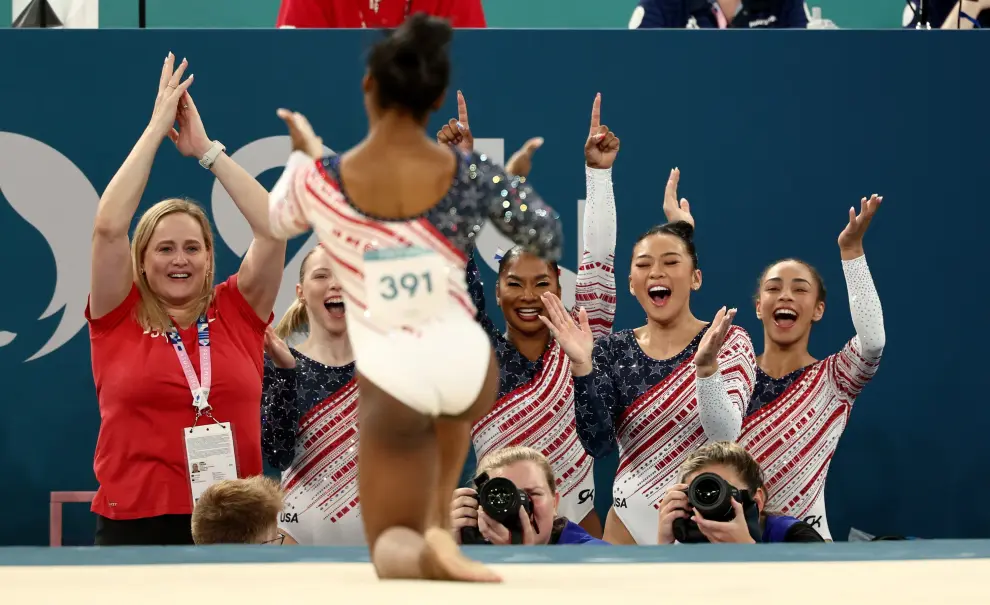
x,y
500,498
707,492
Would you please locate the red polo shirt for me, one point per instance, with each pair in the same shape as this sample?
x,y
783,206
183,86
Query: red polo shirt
x,y
145,403
391,13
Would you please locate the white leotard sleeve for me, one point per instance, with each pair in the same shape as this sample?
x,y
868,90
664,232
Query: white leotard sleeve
x,y
723,396
595,290
864,306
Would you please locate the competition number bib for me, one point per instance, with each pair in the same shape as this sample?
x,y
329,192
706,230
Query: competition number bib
x,y
405,286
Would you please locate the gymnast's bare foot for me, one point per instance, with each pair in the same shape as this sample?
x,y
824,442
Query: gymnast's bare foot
x,y
443,560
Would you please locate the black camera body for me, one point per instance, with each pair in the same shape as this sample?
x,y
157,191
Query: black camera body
x,y
501,500
711,497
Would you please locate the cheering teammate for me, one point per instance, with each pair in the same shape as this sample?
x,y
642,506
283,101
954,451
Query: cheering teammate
x,y
398,215
535,406
309,413
661,390
800,406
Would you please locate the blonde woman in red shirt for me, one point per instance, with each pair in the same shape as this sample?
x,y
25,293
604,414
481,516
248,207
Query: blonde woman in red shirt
x,y
177,361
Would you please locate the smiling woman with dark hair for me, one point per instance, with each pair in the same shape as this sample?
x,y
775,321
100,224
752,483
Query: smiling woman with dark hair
x,y
535,405
799,396
664,389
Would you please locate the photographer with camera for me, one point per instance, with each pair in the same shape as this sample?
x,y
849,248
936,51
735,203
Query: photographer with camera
x,y
720,498
514,502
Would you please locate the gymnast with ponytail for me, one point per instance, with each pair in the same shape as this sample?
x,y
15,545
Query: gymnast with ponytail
x,y
309,413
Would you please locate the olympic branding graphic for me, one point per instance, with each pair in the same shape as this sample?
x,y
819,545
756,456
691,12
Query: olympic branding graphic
x,y
48,191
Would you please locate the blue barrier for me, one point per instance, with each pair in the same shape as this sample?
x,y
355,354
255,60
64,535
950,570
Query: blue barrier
x,y
776,135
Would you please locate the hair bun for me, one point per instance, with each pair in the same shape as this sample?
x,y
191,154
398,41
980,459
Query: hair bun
x,y
411,65
426,33
683,229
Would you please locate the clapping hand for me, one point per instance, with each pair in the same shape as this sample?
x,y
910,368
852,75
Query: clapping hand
x,y
851,238
171,88
458,132
602,145
706,359
672,209
575,339
190,138
279,352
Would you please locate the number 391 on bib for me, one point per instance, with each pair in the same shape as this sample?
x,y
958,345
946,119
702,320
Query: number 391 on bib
x,y
405,285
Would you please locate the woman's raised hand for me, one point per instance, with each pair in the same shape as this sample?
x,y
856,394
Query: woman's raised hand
x,y
851,238
673,209
171,88
602,146
574,338
190,138
458,132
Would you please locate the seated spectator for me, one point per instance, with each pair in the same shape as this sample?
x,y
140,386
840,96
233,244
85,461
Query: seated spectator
x,y
733,464
719,14
376,14
239,511
949,14
530,471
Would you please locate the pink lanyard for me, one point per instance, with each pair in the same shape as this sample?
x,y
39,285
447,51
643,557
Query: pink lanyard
x,y
200,390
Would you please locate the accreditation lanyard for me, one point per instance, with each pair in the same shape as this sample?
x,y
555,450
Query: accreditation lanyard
x,y
200,389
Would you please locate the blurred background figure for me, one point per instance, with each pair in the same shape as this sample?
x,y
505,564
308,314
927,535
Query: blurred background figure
x,y
719,14
376,13
948,14
56,13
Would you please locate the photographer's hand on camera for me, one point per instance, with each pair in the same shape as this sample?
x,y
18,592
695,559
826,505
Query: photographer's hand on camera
x,y
463,510
498,534
674,505
731,532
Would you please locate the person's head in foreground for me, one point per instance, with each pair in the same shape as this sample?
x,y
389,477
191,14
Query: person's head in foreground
x,y
743,518
239,511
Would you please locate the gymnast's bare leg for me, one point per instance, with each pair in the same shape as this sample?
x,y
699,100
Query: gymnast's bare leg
x,y
408,465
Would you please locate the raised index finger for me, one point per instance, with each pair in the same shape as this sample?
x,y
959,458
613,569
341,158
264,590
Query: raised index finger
x,y
670,191
462,114
596,113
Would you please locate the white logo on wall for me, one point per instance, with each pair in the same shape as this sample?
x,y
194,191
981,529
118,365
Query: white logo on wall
x,y
48,191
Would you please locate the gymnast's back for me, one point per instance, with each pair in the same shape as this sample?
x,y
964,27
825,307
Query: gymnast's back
x,y
410,317
399,215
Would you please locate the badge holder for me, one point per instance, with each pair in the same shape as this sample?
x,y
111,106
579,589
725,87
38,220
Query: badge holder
x,y
210,452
